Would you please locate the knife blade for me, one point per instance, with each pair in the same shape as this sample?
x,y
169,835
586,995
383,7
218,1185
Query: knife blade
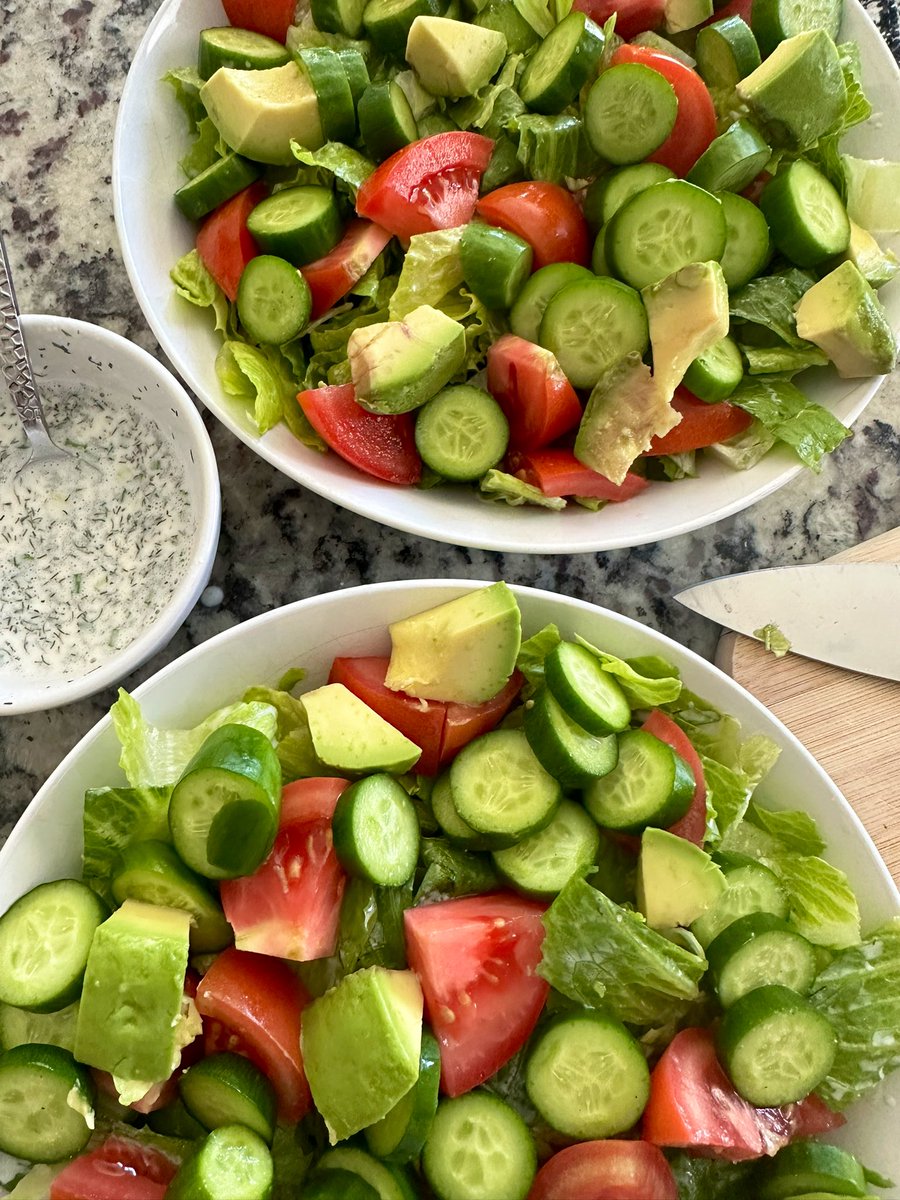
x,y
846,614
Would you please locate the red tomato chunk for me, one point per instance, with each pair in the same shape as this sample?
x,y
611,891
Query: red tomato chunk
x,y
377,443
545,215
607,1170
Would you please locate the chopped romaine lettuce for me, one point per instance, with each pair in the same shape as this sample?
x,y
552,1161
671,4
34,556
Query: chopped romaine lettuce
x,y
498,485
639,679
745,449
771,360
194,283
549,147
344,163
450,871
432,268
808,428
207,147
773,639
770,301
538,15
294,741
187,83
797,831
873,193
247,372
532,652
710,1179
727,796
114,817
494,106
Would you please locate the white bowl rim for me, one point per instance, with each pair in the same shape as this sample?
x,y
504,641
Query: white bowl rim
x,y
208,510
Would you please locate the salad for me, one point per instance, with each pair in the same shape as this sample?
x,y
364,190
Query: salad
x,y
445,245
485,918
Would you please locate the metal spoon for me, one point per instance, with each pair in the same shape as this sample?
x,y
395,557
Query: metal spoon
x,y
19,376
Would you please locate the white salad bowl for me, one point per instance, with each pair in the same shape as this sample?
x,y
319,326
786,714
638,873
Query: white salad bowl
x,y
66,351
46,843
151,136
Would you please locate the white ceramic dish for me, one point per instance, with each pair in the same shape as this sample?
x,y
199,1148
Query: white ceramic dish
x,y
151,135
46,843
62,349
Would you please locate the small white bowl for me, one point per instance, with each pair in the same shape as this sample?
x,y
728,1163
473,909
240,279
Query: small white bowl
x,y
64,350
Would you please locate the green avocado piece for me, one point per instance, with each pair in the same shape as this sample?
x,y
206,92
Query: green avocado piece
x,y
676,881
349,736
798,93
873,192
843,317
876,266
464,650
130,1017
686,14
687,312
360,1044
503,16
259,112
397,366
453,58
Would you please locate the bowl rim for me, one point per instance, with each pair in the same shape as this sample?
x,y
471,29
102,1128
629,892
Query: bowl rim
x,y
208,512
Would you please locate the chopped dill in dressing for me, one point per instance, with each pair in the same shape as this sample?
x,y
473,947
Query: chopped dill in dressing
x,y
88,558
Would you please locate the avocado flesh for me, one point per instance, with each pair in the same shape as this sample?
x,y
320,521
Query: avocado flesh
x,y
453,58
686,14
361,1043
129,1019
873,192
463,651
798,93
687,313
843,317
876,266
677,881
259,112
397,366
349,736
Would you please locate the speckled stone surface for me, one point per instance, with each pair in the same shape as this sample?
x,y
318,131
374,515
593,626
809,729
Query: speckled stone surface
x,y
61,73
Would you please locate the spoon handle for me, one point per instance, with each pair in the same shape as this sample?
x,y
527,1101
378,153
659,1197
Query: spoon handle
x,y
14,361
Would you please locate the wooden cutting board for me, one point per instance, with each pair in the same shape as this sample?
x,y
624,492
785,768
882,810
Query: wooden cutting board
x,y
850,722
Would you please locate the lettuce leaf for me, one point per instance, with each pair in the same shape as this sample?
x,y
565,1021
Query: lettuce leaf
x,y
498,485
532,652
744,450
495,105
346,164
859,993
432,268
727,797
186,83
206,148
710,1179
114,817
795,830
194,283
154,758
549,147
770,360
537,14
639,678
248,373
450,871
770,301
294,745
809,429
599,954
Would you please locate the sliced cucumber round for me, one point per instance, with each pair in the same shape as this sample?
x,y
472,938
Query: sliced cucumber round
x,y
808,1166
747,244
543,863
567,751
715,374
593,323
751,888
528,311
562,64
227,1089
590,695
500,788
241,49
232,1161
732,160
461,432
629,112
807,217
376,830
756,950
649,785
479,1146
46,1103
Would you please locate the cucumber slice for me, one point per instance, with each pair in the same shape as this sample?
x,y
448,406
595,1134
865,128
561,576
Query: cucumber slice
x,y
479,1147
274,302
376,831
300,224
387,22
174,1120
457,831
219,182
528,311
608,192
564,749
495,263
338,16
153,872
542,864
242,49
773,21
752,888
46,1103
386,121
715,374
562,64
806,215
587,1076
330,83
461,433
504,166
232,1161
732,160
756,950
226,1089
747,244
726,51
775,1046
400,1136
356,71
389,1182
807,1166
649,785
590,695
592,324
44,942
503,16
500,788
223,814
337,1184
629,112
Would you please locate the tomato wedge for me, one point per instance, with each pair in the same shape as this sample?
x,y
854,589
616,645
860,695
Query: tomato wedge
x,y
607,1170
695,124
225,243
377,443
692,825
558,472
259,1000
429,184
532,389
120,1168
290,907
545,215
700,425
632,16
271,17
331,278
468,721
476,960
692,1104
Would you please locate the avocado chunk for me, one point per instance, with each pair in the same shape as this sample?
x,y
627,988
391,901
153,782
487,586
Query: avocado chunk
x,y
349,736
397,366
843,317
464,650
259,112
798,93
873,192
130,1020
687,313
626,410
453,58
876,266
686,14
361,1043
677,881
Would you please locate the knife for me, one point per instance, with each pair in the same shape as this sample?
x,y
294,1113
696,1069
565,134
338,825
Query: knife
x,y
847,614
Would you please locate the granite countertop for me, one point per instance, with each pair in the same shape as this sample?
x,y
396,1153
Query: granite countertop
x,y
61,74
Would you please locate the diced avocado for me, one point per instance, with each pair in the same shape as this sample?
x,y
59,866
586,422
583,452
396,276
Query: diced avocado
x,y
259,112
798,93
625,411
876,266
503,16
676,881
349,736
130,1016
397,366
843,317
361,1043
464,650
454,58
686,14
873,192
687,313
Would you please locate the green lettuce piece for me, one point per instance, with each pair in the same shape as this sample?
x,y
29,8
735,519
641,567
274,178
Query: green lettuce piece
x,y
773,639
710,1179
450,871
823,906
294,745
186,83
795,830
244,371
494,105
727,796
421,101
533,651
114,817
858,108
328,340
206,149
194,283
676,466
549,147
498,485
770,302
154,758
344,163
304,33
599,954
642,690
771,360
292,1156
538,15
745,449
859,993
432,268
809,429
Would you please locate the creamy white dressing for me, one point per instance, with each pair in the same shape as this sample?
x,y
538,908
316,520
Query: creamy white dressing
x,y
88,558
